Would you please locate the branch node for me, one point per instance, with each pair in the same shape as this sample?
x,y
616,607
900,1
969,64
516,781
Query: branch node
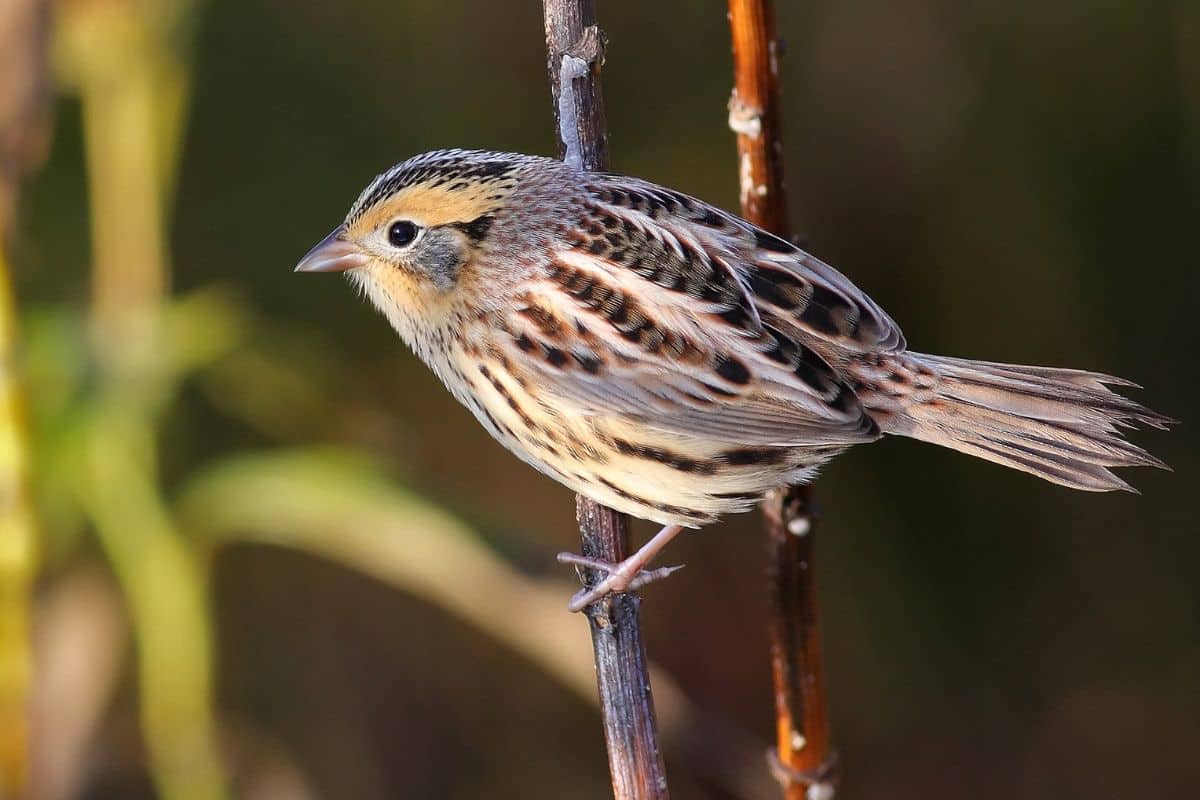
x,y
590,47
744,118
799,527
820,783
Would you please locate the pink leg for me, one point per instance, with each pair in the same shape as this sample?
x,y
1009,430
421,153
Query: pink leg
x,y
630,574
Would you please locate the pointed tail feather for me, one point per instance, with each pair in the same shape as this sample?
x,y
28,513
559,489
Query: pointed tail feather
x,y
1062,425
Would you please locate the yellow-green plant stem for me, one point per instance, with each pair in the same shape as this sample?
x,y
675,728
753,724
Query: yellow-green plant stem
x,y
122,58
166,590
18,559
130,85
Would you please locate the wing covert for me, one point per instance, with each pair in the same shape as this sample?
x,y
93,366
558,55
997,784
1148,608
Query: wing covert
x,y
684,243
588,339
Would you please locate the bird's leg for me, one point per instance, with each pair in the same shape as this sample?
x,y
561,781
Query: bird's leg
x,y
623,577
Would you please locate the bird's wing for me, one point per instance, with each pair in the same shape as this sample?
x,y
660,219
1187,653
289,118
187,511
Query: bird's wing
x,y
772,274
643,317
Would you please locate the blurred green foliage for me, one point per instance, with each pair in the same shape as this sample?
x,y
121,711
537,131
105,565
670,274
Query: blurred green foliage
x,y
1012,181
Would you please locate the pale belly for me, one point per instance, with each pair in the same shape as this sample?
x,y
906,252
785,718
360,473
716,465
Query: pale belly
x,y
650,474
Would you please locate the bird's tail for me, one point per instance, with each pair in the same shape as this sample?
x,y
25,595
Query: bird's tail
x,y
1062,425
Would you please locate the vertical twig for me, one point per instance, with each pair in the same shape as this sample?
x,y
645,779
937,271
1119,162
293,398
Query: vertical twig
x,y
804,761
575,51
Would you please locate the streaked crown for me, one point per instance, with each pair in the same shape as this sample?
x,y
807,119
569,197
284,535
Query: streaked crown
x,y
440,187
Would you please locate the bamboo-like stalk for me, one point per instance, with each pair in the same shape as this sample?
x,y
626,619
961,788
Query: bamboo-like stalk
x,y
804,760
575,51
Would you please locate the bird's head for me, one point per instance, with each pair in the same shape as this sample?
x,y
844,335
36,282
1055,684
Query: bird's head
x,y
415,234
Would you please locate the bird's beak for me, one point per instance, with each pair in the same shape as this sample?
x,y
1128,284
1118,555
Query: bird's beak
x,y
334,253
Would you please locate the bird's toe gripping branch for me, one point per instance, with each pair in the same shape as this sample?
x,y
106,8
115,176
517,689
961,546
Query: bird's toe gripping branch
x,y
628,575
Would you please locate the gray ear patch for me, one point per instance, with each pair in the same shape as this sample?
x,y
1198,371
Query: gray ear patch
x,y
440,255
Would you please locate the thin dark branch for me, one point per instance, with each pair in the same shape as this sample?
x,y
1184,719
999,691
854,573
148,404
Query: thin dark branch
x,y
804,759
575,52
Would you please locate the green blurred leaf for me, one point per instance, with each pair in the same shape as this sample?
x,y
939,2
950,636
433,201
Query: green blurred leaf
x,y
338,505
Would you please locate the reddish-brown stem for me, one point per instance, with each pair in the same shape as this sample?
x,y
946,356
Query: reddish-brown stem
x,y
804,755
575,51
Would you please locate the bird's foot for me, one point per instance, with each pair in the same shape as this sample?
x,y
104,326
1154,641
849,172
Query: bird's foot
x,y
627,576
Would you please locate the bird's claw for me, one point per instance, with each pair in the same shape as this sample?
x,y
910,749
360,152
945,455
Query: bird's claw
x,y
627,576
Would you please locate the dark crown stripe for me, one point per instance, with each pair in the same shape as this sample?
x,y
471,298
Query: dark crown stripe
x,y
436,168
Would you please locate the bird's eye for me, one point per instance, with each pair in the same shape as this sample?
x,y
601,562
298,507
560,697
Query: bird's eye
x,y
402,233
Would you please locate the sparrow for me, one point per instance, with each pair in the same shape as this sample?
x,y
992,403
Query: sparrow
x,y
672,361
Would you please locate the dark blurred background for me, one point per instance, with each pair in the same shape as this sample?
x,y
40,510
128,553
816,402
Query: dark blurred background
x,y
241,468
